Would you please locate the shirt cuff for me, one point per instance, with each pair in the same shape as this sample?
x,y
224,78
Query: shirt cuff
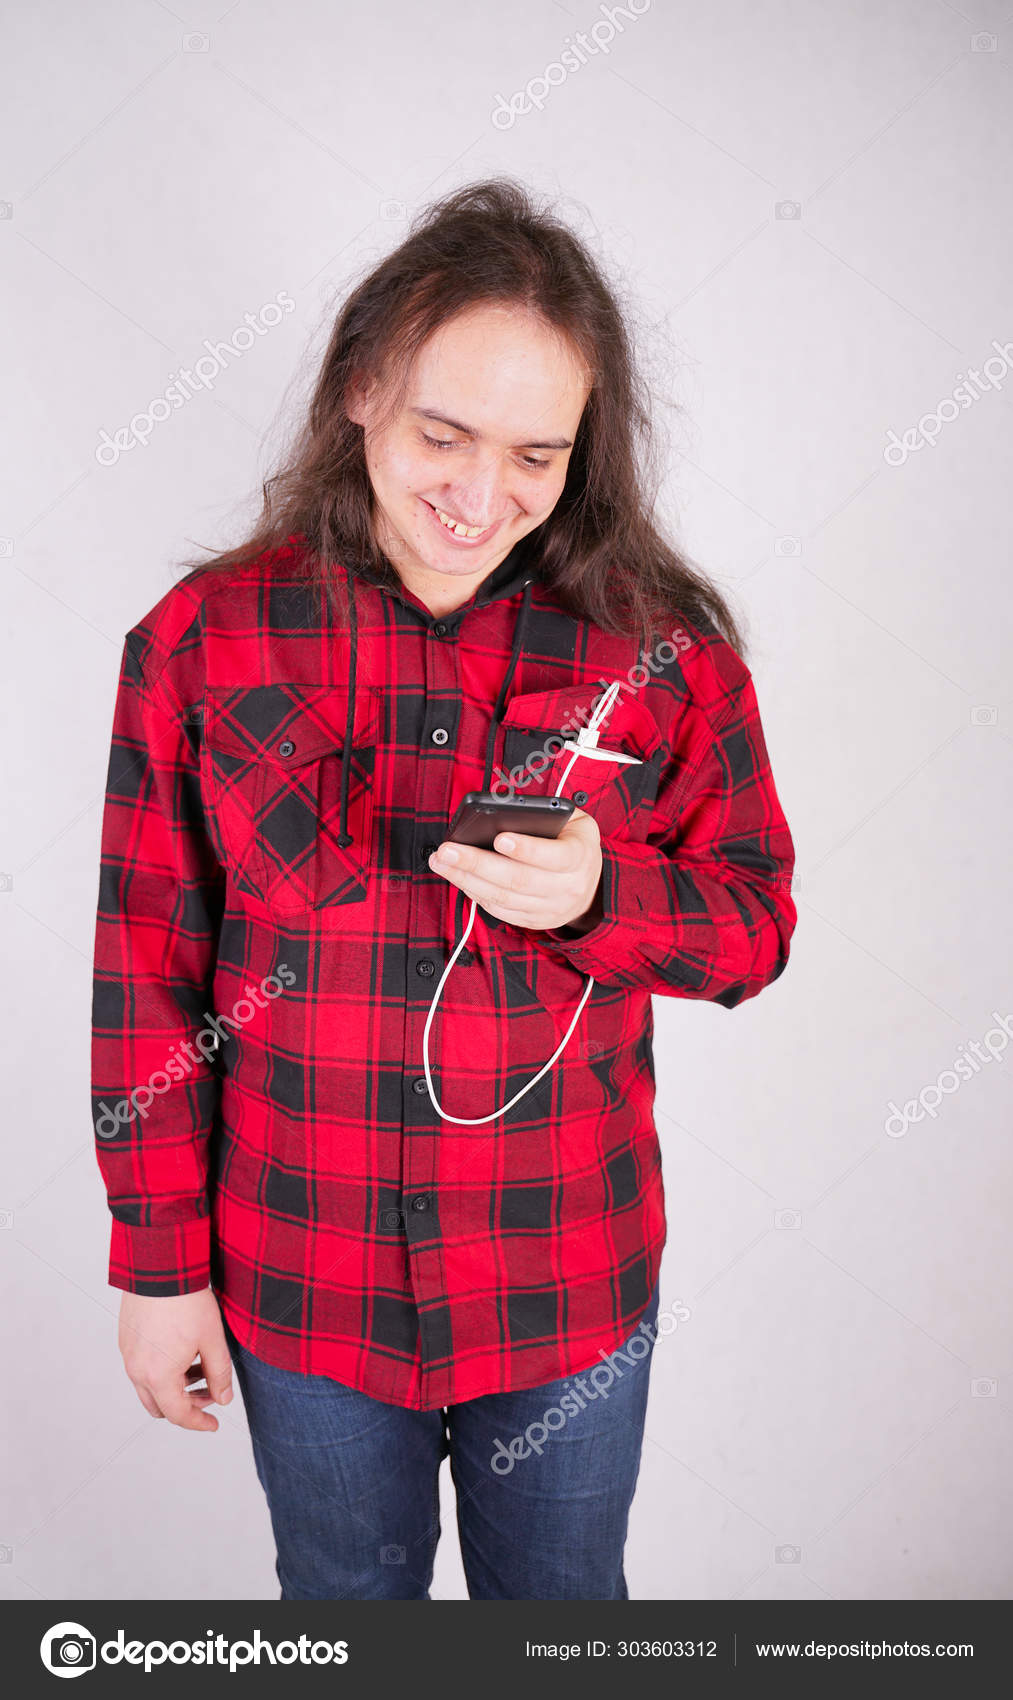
x,y
577,945
161,1262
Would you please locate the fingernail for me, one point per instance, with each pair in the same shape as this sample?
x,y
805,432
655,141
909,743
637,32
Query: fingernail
x,y
226,1396
447,854
508,844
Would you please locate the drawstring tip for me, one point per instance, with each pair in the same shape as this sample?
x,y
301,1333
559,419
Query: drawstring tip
x,y
344,840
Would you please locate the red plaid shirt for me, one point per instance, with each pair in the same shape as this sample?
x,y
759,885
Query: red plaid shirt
x,y
270,937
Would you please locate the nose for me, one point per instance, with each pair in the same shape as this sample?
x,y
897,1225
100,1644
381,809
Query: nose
x,y
480,498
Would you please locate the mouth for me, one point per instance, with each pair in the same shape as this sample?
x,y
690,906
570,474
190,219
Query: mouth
x,y
464,536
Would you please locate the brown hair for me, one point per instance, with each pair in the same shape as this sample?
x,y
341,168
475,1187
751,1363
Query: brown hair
x,y
599,549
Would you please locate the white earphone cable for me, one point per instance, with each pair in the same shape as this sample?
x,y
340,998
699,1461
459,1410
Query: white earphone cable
x,y
585,745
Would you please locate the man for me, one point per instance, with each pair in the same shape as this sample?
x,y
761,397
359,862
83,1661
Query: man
x,y
398,1276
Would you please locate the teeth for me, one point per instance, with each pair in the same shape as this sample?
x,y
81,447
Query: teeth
x,y
457,528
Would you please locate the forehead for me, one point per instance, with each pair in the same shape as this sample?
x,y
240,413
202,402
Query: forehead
x,y
503,371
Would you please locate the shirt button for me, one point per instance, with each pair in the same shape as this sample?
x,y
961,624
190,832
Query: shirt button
x,y
286,747
427,851
440,630
426,967
419,1085
422,1202
440,735
580,798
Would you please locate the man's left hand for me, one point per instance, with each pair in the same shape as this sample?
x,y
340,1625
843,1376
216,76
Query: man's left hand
x,y
538,882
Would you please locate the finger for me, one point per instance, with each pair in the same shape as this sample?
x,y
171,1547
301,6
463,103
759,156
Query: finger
x,y
196,1394
512,886
556,855
489,896
490,902
148,1402
499,873
217,1367
561,853
181,1408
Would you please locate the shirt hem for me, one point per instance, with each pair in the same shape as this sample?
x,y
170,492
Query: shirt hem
x,y
616,1337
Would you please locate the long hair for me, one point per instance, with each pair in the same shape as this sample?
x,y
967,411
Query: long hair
x,y
599,549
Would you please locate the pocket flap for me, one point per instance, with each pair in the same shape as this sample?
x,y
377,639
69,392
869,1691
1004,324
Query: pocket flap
x,y
288,724
629,724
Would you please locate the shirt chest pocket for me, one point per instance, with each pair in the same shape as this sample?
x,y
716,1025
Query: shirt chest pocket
x,y
272,764
616,781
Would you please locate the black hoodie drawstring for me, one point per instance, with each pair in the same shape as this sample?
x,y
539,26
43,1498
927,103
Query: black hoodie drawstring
x,y
344,836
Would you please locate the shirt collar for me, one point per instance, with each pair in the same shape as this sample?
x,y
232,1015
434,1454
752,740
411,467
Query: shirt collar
x,y
511,575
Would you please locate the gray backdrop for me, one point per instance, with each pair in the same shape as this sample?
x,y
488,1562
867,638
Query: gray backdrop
x,y
805,207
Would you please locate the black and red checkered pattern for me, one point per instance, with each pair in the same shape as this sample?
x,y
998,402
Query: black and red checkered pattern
x,y
270,935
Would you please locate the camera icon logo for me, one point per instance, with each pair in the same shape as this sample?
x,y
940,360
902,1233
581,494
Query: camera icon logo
x,y
788,209
984,714
68,1649
984,1387
393,1555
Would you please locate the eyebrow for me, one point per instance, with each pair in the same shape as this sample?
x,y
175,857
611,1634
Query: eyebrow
x,y
470,431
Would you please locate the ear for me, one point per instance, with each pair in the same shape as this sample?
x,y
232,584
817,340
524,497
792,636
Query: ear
x,y
357,395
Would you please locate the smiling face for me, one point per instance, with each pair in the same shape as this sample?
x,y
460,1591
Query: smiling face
x,y
477,455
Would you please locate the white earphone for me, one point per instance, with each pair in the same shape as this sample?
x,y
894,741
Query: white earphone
x,y
586,744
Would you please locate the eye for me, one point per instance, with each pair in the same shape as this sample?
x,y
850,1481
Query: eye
x,y
530,462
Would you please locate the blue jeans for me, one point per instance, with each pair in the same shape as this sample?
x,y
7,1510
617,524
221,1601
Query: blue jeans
x,y
542,1506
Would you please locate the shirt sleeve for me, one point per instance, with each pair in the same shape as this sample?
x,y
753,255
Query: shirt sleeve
x,y
703,909
155,1083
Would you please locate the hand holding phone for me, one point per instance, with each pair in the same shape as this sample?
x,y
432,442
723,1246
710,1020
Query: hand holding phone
x,y
536,884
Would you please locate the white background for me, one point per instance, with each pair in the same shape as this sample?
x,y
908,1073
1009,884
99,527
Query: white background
x,y
822,1395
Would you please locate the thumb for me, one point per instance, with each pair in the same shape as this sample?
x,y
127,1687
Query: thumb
x,y
217,1366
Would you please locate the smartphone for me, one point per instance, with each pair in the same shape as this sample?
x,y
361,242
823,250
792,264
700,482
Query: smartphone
x,y
481,815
